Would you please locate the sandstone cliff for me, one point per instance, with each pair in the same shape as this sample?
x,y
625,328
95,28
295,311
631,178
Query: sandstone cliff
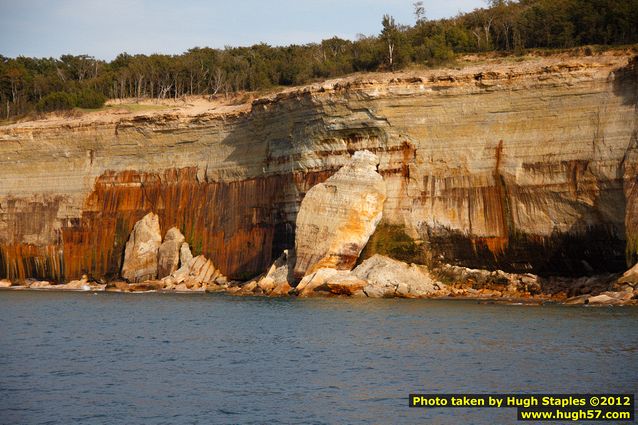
x,y
338,216
524,166
140,254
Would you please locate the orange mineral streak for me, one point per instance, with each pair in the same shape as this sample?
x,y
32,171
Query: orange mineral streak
x,y
204,212
480,201
232,223
21,261
344,255
239,225
496,211
29,239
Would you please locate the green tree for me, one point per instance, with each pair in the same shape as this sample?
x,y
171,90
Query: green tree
x,y
88,98
504,25
56,101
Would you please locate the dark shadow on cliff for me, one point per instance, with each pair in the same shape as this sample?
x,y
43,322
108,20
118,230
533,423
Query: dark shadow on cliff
x,y
593,244
271,141
626,82
591,251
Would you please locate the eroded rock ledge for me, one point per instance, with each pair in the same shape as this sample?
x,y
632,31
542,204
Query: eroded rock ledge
x,y
405,281
524,167
335,222
338,216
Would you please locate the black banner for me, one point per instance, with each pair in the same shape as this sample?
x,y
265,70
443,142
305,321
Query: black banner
x,y
539,407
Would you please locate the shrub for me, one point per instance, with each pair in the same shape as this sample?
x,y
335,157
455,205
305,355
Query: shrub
x,y
63,101
438,51
91,99
392,241
56,101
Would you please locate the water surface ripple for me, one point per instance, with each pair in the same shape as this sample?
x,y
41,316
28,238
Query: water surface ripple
x,y
180,359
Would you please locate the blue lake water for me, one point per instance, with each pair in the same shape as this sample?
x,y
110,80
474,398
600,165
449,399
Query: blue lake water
x,y
164,358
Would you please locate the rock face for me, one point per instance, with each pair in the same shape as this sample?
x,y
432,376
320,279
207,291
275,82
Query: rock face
x,y
611,298
275,282
185,254
316,279
376,277
522,166
508,284
324,282
390,278
197,273
169,253
338,216
140,255
630,276
82,284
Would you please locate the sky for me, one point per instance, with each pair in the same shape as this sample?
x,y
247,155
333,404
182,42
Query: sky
x,y
105,28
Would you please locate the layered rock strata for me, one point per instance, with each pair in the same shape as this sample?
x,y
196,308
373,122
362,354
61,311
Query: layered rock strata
x,y
338,216
524,166
169,253
140,254
198,273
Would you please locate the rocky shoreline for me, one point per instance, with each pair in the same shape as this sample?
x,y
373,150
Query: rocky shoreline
x,y
386,278
335,221
619,294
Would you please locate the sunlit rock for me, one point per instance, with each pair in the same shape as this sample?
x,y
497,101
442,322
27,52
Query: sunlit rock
x,y
198,273
185,254
140,254
630,276
169,252
488,179
391,278
337,217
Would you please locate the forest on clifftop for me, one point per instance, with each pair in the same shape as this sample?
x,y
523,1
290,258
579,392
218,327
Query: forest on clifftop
x,y
507,27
